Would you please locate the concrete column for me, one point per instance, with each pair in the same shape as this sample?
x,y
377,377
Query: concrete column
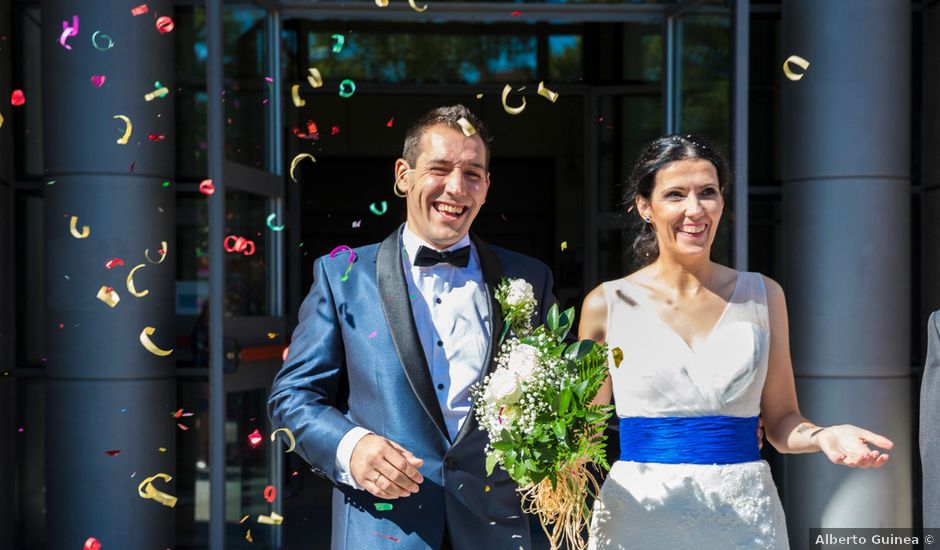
x,y
846,210
104,391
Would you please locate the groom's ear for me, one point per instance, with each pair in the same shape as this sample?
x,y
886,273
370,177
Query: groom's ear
x,y
401,169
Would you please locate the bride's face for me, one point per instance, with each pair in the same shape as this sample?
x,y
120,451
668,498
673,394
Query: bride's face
x,y
685,207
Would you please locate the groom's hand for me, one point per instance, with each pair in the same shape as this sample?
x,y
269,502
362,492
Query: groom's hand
x,y
385,468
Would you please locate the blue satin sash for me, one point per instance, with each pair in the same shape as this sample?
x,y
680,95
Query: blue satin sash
x,y
689,440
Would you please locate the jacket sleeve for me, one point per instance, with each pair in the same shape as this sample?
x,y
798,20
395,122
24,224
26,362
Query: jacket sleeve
x,y
305,392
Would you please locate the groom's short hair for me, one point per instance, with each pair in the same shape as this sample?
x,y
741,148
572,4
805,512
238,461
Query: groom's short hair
x,y
448,116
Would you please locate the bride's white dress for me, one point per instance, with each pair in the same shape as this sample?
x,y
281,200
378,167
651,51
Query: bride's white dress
x,y
649,505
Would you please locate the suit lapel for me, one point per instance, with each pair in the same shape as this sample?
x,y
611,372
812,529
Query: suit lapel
x,y
492,275
397,308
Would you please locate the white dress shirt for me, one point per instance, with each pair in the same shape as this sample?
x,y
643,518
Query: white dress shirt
x,y
452,317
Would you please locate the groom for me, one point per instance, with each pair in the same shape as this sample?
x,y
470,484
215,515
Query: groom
x,y
376,385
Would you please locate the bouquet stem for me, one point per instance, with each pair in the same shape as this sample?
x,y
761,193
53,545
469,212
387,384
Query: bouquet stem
x,y
562,510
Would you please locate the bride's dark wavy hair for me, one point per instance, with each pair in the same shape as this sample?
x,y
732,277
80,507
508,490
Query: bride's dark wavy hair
x,y
654,157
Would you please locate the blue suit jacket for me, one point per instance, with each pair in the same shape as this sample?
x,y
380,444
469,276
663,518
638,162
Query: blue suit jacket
x,y
338,375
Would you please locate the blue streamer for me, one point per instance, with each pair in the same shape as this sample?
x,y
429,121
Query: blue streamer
x,y
689,440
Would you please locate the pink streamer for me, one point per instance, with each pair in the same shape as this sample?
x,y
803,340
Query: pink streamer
x,y
68,31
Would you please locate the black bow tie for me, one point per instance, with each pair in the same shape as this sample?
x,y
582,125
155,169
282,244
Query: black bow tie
x,y
427,257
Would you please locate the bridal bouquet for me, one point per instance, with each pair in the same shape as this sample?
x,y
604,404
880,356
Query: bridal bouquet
x,y
536,408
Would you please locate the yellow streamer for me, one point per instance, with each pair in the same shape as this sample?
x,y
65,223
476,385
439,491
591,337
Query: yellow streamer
x,y
160,92
314,79
1,121
73,227
416,8
145,340
146,490
799,62
130,283
507,108
109,297
468,129
381,3
295,93
290,436
618,356
546,93
127,129
297,159
163,249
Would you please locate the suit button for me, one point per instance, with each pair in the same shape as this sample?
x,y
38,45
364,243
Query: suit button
x,y
450,463
440,343
438,300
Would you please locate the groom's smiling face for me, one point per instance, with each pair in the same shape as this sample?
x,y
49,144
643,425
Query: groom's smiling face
x,y
447,185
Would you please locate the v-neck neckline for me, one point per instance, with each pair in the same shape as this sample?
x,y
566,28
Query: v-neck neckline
x,y
668,327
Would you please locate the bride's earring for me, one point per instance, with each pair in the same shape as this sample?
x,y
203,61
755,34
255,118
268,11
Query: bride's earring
x,y
647,219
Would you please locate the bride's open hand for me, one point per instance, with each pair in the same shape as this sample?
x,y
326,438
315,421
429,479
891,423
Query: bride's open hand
x,y
848,445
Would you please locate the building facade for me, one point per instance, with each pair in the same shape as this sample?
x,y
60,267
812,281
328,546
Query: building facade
x,y
834,195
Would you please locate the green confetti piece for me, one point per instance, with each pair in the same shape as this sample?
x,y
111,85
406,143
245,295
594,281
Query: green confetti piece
x,y
383,507
340,40
347,88
166,184
379,210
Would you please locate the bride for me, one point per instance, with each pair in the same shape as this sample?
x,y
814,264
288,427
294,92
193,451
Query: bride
x,y
704,350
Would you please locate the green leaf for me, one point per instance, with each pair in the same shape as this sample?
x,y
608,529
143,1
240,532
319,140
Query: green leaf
x,y
565,323
578,350
551,321
490,463
502,445
559,429
564,401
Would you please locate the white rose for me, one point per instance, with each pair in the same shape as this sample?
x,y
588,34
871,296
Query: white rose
x,y
519,291
523,361
503,387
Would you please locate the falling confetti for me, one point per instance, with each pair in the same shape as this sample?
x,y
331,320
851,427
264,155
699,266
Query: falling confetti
x,y
94,41
239,244
270,493
162,91
352,259
157,137
17,98
546,93
128,128
381,3
390,123
139,10
389,537
130,283
98,80
161,253
516,13
357,224
340,40
244,519
273,519
296,160
113,452
373,334
68,31
799,62
415,6
146,490
145,340
248,536
271,225
383,506
107,295
92,544
164,24
347,88
295,95
564,246
73,228
314,79
511,110
618,356
466,127
382,208
254,438
206,187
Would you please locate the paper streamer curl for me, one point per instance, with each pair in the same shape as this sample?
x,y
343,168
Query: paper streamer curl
x,y
297,159
290,436
347,88
381,3
128,128
314,79
273,519
146,490
130,283
73,227
468,129
415,6
271,225
163,250
511,110
145,340
352,259
295,95
109,296
799,62
94,41
68,31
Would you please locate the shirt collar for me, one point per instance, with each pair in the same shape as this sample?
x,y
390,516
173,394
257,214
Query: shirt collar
x,y
412,242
